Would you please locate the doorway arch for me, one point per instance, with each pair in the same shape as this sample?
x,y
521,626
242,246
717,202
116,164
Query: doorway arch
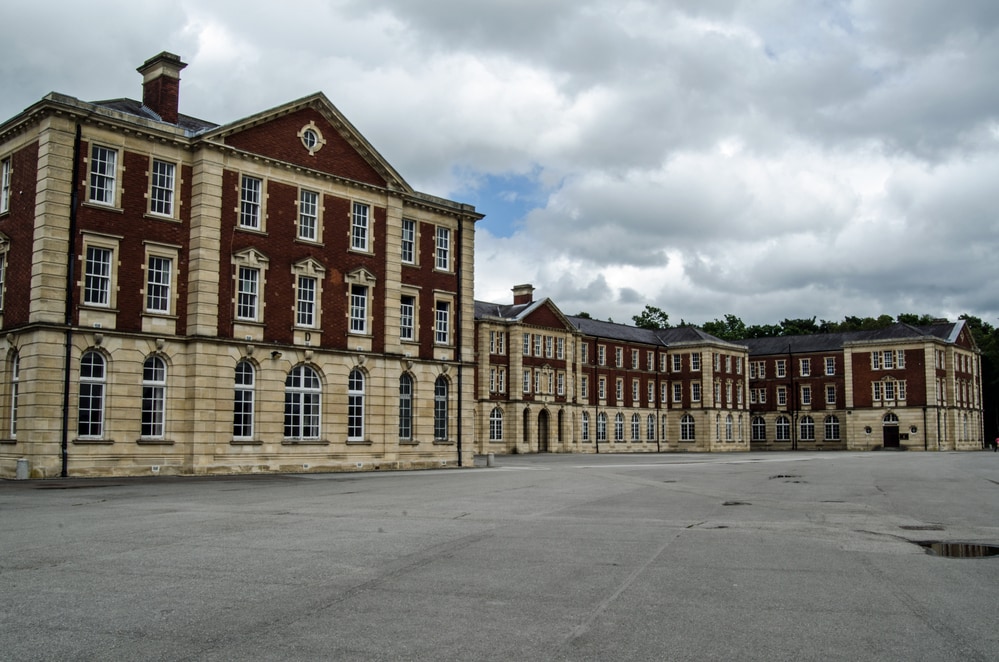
x,y
543,425
889,426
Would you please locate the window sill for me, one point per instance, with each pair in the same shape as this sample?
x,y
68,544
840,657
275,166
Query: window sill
x,y
8,442
408,442
359,442
150,216
258,231
100,205
305,442
94,442
443,442
246,442
154,442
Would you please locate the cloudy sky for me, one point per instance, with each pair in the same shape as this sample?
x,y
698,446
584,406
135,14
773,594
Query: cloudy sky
x,y
766,158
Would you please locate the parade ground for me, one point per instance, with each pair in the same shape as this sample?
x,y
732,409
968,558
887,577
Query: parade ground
x,y
752,556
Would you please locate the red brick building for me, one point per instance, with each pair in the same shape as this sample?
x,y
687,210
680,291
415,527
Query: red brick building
x,y
908,387
548,382
185,297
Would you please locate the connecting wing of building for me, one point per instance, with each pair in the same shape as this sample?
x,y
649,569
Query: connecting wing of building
x,y
550,382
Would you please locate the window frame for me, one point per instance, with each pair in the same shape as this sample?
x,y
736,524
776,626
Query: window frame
x,y
358,309
303,390
407,245
102,184
405,407
154,383
360,226
356,383
244,399
99,283
93,390
251,203
5,178
162,188
441,405
442,248
309,212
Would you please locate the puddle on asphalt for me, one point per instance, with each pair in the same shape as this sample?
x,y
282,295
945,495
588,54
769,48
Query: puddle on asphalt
x,y
959,550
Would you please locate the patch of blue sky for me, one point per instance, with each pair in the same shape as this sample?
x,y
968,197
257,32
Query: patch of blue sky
x,y
505,199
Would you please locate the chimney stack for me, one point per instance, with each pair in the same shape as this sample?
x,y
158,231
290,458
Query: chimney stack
x,y
161,85
523,294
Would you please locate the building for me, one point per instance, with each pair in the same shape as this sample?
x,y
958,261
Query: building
x,y
917,388
548,382
184,297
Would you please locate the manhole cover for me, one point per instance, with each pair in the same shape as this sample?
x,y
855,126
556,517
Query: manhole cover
x,y
960,550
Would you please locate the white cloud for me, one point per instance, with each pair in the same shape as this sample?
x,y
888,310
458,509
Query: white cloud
x,y
770,159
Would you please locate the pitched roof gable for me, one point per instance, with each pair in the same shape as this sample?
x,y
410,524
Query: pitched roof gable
x,y
542,312
342,151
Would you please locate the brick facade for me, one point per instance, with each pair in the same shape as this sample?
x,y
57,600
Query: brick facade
x,y
143,249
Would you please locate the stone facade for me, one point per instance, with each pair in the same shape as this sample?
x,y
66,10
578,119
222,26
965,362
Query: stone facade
x,y
188,298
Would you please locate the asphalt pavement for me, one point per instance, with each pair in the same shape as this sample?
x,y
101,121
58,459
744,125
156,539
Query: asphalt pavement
x,y
760,556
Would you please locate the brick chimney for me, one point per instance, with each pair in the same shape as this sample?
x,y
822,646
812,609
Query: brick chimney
x,y
523,294
161,85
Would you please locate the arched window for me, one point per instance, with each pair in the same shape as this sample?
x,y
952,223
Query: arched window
x,y
153,397
601,427
636,427
496,425
729,425
585,418
758,428
90,410
405,407
832,428
440,409
15,378
243,400
619,427
783,428
650,428
302,394
355,405
687,428
807,428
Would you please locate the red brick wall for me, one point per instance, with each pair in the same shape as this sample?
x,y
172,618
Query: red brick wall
x,y
135,227
19,225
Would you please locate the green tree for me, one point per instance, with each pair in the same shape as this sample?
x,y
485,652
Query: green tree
x,y
652,318
584,315
799,327
730,328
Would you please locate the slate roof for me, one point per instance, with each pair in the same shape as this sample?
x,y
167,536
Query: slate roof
x,y
508,312
832,342
191,125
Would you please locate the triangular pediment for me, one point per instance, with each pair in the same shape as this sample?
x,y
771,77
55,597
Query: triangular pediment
x,y
545,313
310,133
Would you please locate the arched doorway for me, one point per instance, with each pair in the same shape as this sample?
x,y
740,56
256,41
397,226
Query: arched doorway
x,y
890,428
543,431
